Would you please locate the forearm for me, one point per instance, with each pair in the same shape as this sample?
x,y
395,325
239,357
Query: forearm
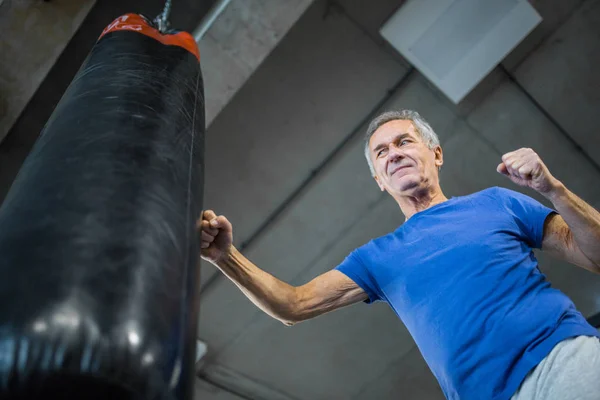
x,y
582,219
273,296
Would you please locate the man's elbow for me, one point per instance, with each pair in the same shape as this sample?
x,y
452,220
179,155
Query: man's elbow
x,y
288,319
293,320
590,265
596,267
291,317
289,314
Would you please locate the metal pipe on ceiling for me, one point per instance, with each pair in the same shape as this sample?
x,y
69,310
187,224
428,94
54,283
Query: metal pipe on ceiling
x,y
209,19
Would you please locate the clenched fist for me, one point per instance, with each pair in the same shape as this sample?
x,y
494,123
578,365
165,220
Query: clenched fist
x,y
525,168
216,236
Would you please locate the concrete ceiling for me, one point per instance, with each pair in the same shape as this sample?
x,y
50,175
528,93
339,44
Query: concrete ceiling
x,y
235,44
42,28
284,163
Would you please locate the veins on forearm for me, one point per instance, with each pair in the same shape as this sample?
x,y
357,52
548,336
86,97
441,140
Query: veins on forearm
x,y
583,221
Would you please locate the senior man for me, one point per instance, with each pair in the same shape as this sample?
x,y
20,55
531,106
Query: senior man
x,y
460,272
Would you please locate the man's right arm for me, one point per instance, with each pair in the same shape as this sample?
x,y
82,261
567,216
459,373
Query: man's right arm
x,y
286,303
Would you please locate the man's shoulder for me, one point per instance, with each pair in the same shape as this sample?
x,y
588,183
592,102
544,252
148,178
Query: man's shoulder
x,y
504,195
495,192
380,243
490,198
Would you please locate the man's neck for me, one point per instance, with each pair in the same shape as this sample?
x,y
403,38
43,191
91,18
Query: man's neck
x,y
419,201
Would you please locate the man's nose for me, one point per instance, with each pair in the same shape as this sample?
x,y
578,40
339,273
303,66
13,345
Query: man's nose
x,y
395,153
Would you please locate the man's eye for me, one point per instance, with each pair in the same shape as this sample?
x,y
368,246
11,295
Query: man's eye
x,y
403,142
380,152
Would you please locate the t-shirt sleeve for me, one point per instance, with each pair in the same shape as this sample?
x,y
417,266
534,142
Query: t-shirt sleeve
x,y
529,215
354,268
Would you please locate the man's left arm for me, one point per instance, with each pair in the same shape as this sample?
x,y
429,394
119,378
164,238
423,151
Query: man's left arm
x,y
574,233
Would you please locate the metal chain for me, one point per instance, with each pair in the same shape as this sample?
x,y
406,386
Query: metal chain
x,y
162,19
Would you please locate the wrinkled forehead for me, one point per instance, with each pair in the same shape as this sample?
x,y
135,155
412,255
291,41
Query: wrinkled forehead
x,y
393,129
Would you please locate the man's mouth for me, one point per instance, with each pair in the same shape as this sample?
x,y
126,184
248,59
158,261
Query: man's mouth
x,y
398,169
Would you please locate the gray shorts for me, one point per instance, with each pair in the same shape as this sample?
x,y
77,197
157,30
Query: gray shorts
x,y
570,372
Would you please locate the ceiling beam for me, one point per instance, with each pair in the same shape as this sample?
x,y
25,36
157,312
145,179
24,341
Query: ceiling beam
x,y
240,385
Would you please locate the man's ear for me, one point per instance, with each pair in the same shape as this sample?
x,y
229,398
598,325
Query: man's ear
x,y
439,156
379,184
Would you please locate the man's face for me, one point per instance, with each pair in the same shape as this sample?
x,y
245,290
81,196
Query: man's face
x,y
403,163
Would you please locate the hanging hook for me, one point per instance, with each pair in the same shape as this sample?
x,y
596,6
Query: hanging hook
x,y
162,19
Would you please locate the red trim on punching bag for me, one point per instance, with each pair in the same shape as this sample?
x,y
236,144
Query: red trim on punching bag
x,y
135,22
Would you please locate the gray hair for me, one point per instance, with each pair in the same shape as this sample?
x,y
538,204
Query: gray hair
x,y
421,126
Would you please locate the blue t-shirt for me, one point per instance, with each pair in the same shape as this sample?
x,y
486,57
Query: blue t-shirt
x,y
463,278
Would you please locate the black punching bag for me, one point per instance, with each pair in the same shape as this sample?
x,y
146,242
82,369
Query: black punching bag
x,y
99,265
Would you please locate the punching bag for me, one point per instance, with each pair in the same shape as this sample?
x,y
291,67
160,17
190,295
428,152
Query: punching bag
x,y
99,262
